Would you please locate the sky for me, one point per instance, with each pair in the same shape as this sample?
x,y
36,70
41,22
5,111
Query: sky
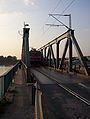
x,y
13,14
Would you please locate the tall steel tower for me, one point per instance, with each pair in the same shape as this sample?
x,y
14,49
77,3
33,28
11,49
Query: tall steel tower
x,y
25,47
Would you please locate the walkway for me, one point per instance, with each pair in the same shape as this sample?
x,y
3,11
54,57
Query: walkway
x,y
21,106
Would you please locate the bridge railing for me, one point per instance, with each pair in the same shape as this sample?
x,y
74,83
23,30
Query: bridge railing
x,y
6,79
26,72
37,97
24,69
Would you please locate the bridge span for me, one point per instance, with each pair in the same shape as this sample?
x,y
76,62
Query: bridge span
x,y
52,90
65,94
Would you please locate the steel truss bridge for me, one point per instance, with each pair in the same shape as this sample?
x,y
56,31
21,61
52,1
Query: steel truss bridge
x,y
44,92
48,55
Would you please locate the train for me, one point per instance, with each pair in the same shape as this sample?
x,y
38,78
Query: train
x,y
35,58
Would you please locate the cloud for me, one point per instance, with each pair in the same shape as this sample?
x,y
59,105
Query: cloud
x,y
29,2
10,6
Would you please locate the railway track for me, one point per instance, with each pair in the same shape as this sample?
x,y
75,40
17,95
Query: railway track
x,y
78,96
60,102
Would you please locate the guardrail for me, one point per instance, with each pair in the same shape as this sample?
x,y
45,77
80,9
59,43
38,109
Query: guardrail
x,y
37,98
26,72
6,79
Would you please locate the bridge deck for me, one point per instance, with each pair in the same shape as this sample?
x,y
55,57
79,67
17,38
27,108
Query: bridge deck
x,y
57,103
21,107
65,77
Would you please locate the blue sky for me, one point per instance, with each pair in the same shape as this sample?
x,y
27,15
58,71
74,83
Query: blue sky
x,y
13,13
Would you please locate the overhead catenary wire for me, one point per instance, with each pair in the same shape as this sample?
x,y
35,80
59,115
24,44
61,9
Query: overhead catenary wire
x,y
68,6
55,7
61,13
59,21
58,3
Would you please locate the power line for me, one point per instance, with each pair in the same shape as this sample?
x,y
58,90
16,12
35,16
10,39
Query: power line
x,y
58,3
68,6
61,13
56,6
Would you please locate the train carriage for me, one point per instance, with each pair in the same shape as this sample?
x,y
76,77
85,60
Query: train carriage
x,y
35,58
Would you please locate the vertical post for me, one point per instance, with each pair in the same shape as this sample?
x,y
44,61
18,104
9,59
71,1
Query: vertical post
x,y
50,56
70,21
70,46
45,52
42,53
70,55
53,57
45,57
64,53
57,55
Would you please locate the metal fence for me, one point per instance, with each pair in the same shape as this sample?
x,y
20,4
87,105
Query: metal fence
x,y
6,79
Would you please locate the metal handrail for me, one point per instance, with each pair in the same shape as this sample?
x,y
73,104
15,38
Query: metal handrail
x,y
6,79
24,64
36,98
9,70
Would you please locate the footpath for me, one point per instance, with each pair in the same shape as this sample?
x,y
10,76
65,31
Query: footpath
x,y
20,106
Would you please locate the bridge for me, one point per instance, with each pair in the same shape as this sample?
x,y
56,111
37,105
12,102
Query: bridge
x,y
58,89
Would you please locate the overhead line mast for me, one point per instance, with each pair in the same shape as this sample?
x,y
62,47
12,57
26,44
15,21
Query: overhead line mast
x,y
53,15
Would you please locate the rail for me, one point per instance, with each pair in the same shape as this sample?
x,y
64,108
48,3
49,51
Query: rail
x,y
6,79
68,90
